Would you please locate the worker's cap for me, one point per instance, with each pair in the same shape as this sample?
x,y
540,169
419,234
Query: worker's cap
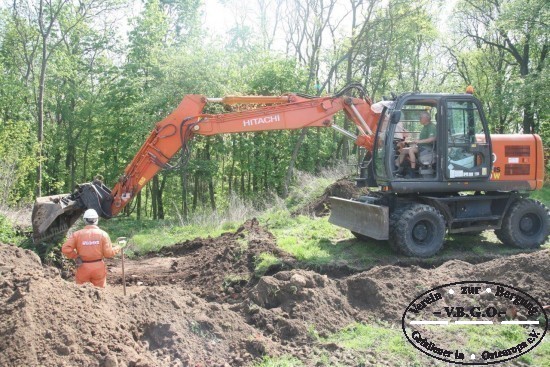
x,y
90,214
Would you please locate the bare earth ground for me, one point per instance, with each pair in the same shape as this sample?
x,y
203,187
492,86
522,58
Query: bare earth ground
x,y
198,303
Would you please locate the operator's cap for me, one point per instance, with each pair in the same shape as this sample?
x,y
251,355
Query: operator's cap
x,y
90,214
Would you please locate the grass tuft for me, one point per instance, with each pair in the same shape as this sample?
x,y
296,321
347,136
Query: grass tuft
x,y
264,261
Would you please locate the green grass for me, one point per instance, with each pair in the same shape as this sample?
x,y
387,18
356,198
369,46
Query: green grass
x,y
542,195
381,339
316,242
500,337
385,341
264,261
151,235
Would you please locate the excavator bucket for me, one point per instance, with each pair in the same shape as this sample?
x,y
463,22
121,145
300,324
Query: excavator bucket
x,y
52,216
367,219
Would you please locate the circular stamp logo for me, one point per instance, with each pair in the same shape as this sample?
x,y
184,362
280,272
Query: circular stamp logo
x,y
474,322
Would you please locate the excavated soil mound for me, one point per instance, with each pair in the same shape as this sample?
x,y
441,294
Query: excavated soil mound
x,y
199,304
342,188
385,291
290,302
47,321
216,269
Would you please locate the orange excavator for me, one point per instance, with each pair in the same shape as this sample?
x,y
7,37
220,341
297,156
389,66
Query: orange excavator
x,y
468,181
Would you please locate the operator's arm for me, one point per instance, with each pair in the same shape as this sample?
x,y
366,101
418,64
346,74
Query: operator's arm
x,y
108,249
69,247
429,134
425,141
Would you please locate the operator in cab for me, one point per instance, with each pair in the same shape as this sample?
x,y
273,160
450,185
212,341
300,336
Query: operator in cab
x,y
422,146
89,246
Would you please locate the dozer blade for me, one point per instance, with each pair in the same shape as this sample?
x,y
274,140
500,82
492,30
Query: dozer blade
x,y
367,219
52,216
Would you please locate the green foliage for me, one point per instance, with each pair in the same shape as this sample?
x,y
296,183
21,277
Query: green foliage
x,y
17,161
496,338
7,233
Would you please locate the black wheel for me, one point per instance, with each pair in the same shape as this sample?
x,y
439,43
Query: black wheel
x,y
525,225
419,231
394,220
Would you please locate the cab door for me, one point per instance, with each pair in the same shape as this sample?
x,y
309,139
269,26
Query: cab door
x,y
468,145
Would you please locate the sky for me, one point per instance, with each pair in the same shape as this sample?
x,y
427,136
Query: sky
x,y
221,16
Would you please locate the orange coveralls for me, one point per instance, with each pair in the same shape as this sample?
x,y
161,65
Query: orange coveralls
x,y
91,244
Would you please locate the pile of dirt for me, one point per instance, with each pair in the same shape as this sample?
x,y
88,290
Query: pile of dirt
x,y
289,303
216,269
384,292
199,303
47,321
343,188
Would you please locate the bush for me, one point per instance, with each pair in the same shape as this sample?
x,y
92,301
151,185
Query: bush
x,y
7,233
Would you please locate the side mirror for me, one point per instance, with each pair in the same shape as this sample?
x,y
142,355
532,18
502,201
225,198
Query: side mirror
x,y
395,117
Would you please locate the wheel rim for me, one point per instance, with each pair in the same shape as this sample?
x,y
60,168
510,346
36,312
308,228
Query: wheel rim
x,y
530,224
422,232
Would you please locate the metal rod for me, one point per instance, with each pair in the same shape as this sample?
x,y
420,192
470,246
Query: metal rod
x,y
123,274
345,132
360,118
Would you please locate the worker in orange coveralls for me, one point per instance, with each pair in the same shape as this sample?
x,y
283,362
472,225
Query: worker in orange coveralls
x,y
89,246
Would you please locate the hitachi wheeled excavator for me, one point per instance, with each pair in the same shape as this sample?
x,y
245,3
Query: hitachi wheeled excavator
x,y
470,181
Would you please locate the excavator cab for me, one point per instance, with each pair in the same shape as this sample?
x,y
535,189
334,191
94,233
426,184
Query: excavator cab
x,y
461,151
459,159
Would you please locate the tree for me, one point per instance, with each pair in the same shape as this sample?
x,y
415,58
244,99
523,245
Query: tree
x,y
520,30
55,20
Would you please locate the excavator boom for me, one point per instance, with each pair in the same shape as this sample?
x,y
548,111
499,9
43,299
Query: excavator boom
x,y
54,215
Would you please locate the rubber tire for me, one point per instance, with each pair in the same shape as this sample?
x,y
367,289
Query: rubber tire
x,y
394,219
427,222
511,232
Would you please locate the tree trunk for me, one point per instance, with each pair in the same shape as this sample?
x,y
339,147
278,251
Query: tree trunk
x,y
210,179
290,170
185,206
147,189
154,196
139,206
41,87
195,192
160,205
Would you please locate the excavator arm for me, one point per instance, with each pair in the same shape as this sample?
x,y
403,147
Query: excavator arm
x,y
54,215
